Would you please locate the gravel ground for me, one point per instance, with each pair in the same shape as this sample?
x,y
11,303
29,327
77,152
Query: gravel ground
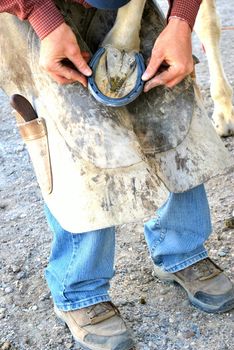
x,y
158,313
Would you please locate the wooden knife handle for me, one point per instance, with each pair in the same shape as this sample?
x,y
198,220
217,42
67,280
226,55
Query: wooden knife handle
x,y
23,107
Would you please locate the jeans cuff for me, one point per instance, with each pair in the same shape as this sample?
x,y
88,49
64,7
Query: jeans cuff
x,y
76,305
188,262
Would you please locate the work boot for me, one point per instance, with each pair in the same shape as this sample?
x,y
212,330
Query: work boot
x,y
98,327
207,286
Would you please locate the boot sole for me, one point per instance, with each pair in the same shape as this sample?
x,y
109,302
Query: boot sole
x,y
84,347
168,277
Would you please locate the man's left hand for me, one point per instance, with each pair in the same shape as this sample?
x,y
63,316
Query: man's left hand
x,y
173,47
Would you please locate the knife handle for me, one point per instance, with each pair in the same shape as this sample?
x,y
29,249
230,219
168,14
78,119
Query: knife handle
x,y
23,107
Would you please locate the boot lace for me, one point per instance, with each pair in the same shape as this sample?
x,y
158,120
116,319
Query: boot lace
x,y
101,309
206,269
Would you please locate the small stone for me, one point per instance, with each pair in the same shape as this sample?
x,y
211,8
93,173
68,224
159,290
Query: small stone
x,y
164,291
20,149
8,290
2,315
225,250
6,345
20,275
185,303
15,268
3,206
229,223
146,348
132,277
196,330
188,334
142,301
151,344
221,253
27,341
68,345
45,296
34,307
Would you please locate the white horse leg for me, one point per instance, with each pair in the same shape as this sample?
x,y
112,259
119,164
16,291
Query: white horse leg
x,y
207,27
125,33
117,71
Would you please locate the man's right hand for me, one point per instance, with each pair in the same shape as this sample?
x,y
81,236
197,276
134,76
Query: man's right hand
x,y
61,44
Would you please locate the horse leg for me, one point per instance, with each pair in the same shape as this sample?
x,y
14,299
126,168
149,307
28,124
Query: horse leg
x,y
117,71
125,33
207,27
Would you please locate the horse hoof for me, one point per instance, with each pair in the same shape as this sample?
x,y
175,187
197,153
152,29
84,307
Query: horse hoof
x,y
224,126
116,79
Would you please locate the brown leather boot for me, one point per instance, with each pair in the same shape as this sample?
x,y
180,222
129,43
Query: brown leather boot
x,y
207,286
98,327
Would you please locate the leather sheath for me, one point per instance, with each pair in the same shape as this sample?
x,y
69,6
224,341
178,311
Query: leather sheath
x,y
34,134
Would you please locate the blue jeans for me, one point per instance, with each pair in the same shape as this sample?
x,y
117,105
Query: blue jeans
x,y
81,265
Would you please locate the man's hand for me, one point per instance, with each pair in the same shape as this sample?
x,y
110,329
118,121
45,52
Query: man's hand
x,y
61,44
173,47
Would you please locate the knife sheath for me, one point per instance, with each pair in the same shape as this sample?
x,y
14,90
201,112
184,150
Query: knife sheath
x,y
34,134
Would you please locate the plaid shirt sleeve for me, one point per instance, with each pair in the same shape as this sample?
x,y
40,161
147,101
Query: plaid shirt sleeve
x,y
44,16
184,9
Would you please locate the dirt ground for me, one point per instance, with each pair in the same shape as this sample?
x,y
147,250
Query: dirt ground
x,y
158,313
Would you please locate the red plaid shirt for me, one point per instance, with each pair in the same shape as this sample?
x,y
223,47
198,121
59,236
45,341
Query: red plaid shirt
x,y
44,16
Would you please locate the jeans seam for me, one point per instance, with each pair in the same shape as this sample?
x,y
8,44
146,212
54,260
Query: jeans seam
x,y
80,305
202,254
162,234
86,299
161,238
69,267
